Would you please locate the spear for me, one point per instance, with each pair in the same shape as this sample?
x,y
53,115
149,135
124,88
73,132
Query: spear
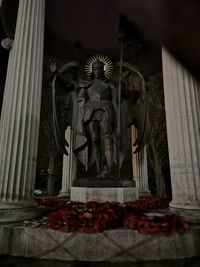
x,y
130,36
119,106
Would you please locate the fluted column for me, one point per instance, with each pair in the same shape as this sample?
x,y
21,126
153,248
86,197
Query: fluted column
x,y
182,103
19,126
140,168
69,166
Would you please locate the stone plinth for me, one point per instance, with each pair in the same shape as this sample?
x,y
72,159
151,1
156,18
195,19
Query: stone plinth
x,y
19,214
115,194
110,246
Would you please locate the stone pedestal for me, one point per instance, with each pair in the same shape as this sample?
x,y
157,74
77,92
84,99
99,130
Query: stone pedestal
x,y
116,194
103,189
140,168
103,182
19,125
182,103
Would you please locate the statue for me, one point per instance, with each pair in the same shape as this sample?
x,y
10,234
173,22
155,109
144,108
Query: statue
x,y
98,113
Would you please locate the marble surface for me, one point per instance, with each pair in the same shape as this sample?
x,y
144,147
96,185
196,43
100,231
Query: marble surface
x,y
84,194
110,246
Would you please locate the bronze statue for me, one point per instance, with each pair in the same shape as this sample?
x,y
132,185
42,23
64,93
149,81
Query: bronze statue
x,y
92,108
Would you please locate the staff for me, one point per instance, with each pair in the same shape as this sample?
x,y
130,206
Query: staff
x,y
119,104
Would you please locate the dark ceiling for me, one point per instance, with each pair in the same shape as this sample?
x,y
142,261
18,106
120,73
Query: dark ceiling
x,y
94,24
72,21
88,24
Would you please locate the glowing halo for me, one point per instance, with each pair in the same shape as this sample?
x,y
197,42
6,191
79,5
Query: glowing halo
x,y
108,65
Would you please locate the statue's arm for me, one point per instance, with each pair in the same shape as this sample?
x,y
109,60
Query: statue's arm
x,y
65,75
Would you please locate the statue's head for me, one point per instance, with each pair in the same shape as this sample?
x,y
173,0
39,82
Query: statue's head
x,y
99,67
98,70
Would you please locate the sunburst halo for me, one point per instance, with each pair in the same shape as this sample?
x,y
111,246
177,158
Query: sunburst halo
x,y
108,65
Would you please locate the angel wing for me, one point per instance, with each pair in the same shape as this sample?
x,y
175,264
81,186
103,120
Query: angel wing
x,y
134,93
63,86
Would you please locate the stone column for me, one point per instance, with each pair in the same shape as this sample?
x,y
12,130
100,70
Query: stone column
x,y
69,166
182,104
140,168
19,125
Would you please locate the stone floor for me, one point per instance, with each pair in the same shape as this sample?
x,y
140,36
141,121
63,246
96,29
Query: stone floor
x,y
8,261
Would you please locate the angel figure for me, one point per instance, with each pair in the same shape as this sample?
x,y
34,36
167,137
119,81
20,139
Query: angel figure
x,y
98,113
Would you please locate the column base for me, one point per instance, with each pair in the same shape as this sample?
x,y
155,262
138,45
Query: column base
x,y
144,193
191,214
13,212
64,194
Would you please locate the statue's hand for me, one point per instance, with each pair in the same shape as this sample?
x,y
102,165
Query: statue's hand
x,y
53,66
